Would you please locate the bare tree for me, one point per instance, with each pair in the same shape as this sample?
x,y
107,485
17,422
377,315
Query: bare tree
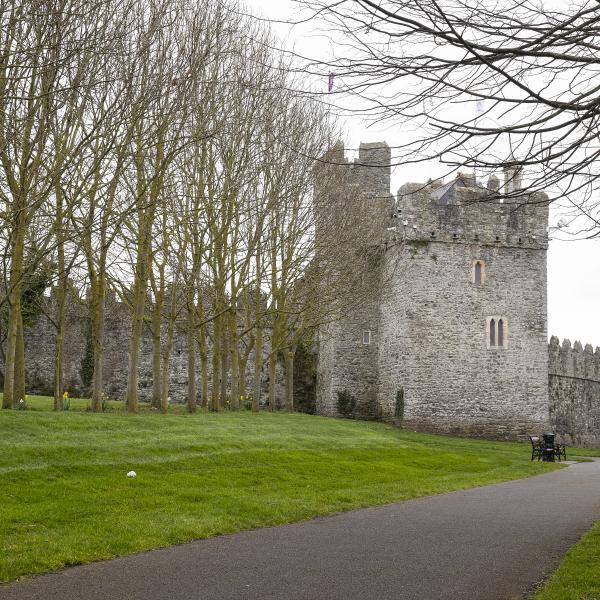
x,y
46,71
483,84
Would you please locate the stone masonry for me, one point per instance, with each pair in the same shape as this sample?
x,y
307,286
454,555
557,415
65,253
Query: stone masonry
x,y
39,354
574,389
435,271
458,325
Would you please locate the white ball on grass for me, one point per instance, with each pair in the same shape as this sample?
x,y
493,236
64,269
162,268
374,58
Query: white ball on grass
x,y
131,474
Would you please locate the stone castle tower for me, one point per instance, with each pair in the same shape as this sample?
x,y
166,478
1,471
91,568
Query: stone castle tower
x,y
454,326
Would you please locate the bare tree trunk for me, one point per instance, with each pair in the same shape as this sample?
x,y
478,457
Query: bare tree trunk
x,y
61,293
191,349
203,366
258,344
14,298
166,361
139,305
289,379
204,375
97,333
156,363
216,384
235,361
59,348
146,210
20,360
272,380
243,366
258,366
203,347
165,376
11,347
224,357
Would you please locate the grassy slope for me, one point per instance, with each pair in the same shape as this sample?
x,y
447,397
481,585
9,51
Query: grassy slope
x,y
65,498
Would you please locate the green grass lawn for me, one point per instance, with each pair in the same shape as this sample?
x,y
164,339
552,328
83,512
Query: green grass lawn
x,y
45,403
578,577
65,498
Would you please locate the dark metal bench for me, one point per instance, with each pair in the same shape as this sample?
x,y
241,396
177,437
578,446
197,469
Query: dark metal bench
x,y
536,447
546,448
560,450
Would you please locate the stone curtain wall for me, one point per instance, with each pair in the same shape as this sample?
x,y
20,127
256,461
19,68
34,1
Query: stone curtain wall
x,y
39,355
39,349
574,391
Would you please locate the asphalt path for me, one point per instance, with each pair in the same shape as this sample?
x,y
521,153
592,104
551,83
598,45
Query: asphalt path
x,y
494,543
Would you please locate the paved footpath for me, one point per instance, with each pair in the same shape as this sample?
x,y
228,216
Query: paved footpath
x,y
491,543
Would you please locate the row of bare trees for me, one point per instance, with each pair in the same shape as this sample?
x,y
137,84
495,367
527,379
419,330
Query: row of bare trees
x,y
154,148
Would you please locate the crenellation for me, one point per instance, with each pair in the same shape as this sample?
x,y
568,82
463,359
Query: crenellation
x,y
589,366
574,392
461,211
566,359
372,168
577,357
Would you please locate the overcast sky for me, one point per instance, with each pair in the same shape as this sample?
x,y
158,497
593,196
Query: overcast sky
x,y
573,267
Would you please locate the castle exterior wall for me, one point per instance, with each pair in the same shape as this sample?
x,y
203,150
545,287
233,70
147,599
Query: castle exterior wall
x,y
352,223
40,345
430,319
435,317
574,392
346,362
434,341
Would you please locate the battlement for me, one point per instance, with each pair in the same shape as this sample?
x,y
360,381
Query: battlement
x,y
574,392
574,361
372,169
463,210
352,198
370,172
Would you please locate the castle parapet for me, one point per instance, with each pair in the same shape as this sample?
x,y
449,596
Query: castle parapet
x,y
372,169
464,211
574,361
352,199
574,392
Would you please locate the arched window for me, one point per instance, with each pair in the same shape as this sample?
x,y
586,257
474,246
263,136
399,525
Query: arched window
x,y
478,272
497,332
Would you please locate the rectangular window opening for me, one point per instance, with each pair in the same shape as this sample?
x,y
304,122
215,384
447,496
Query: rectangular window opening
x,y
366,338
